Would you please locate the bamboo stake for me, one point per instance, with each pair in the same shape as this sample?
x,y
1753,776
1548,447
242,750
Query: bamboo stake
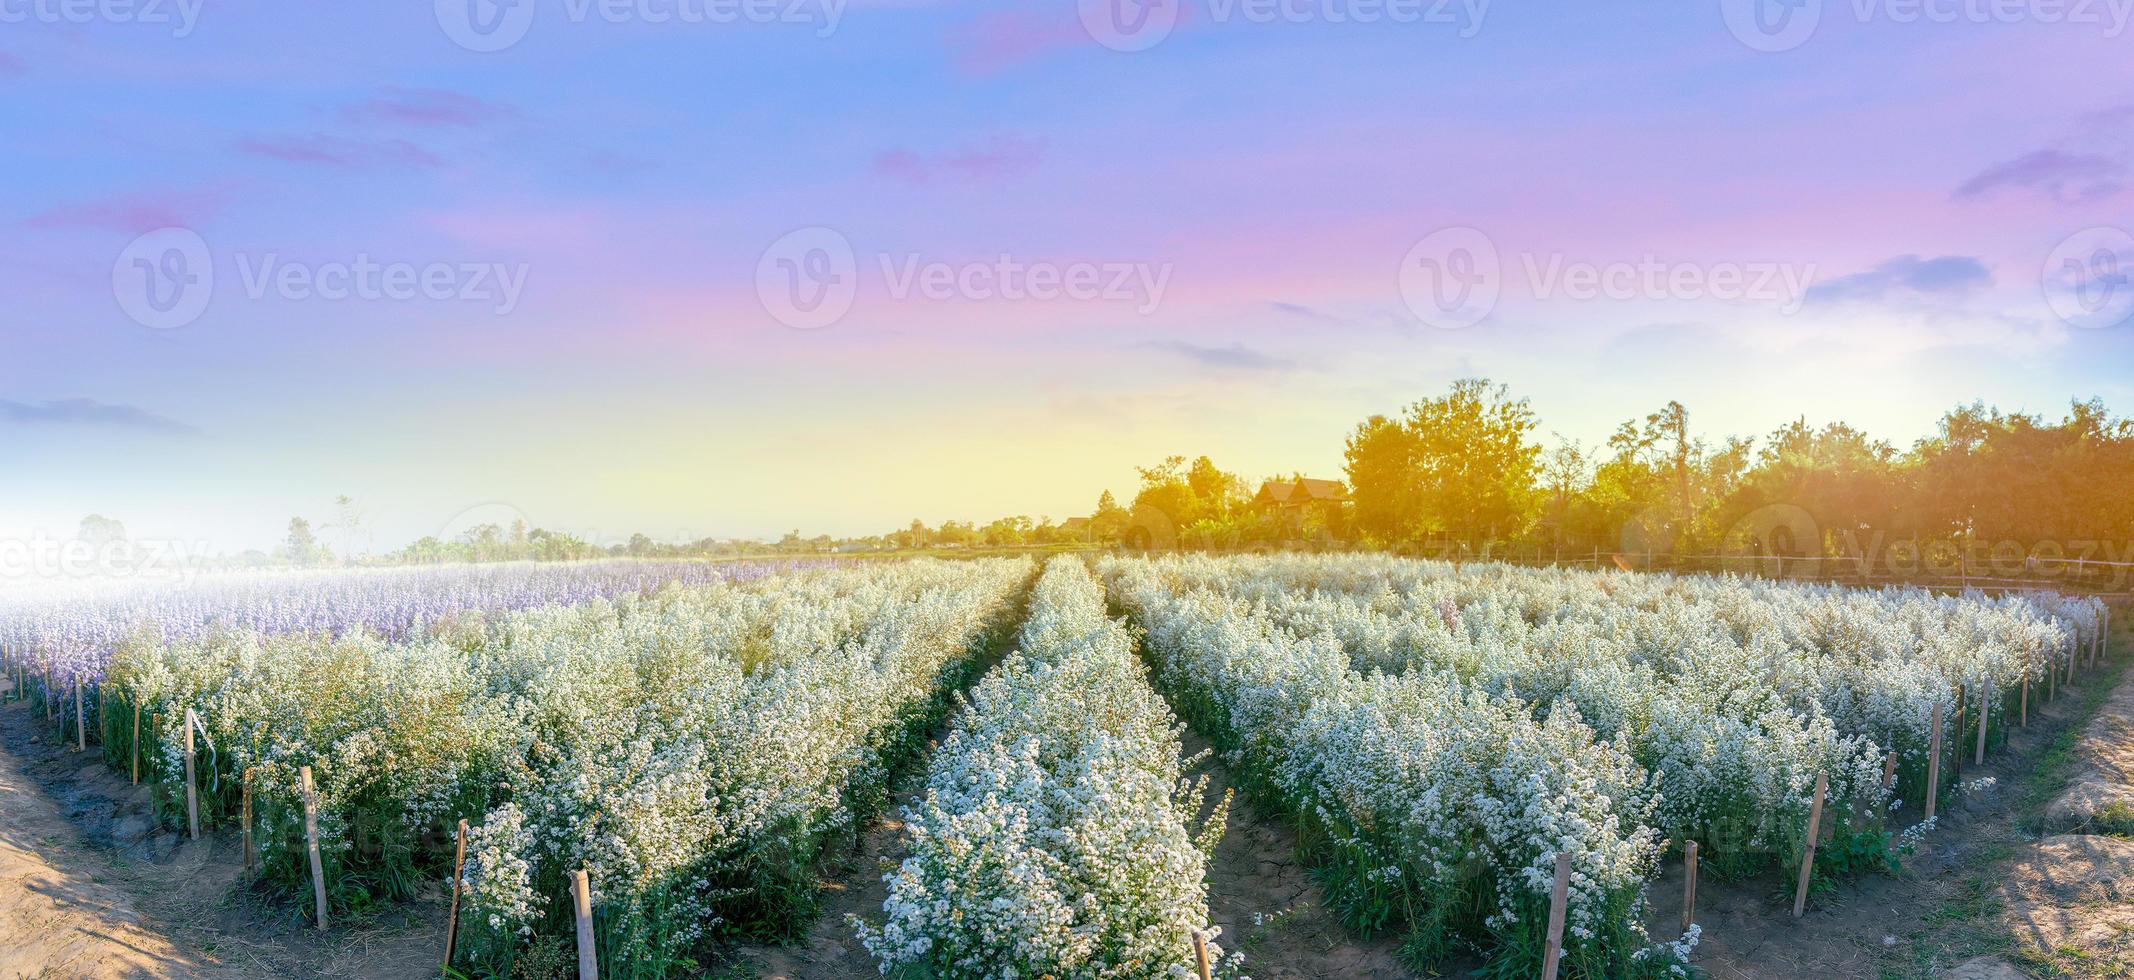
x,y
1934,763
1815,819
1200,954
311,842
137,743
459,866
1559,898
1689,886
248,821
192,793
1985,702
582,900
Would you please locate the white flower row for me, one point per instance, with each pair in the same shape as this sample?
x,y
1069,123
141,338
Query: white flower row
x,y
691,748
1055,837
1695,708
1429,791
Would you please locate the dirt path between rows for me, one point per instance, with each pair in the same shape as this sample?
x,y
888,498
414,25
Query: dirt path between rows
x,y
61,915
150,903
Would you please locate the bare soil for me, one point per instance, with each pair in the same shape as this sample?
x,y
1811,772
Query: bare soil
x,y
101,891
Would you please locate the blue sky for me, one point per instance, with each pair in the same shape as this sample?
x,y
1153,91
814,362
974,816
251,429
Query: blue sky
x,y
1869,225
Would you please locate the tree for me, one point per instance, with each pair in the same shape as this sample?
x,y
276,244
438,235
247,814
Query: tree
x,y
347,523
301,547
96,529
1459,466
1110,520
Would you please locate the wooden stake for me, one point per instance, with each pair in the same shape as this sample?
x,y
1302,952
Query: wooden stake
x,y
1963,702
1934,763
1559,898
1815,820
192,793
1889,769
1200,954
81,721
311,842
1689,886
459,866
588,953
1985,712
137,743
2026,699
246,820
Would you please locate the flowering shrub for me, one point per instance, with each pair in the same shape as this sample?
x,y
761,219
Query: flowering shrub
x,y
692,748
1444,732
1055,836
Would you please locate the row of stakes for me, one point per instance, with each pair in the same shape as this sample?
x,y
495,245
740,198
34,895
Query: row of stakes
x,y
581,888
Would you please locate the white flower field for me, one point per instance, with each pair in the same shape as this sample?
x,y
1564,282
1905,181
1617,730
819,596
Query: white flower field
x,y
701,745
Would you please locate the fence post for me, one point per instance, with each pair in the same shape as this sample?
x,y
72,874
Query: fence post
x,y
1985,714
1934,762
192,794
1559,898
311,842
459,867
1815,819
1689,886
247,820
588,952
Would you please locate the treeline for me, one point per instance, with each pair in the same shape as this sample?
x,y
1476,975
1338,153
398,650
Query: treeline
x,y
1466,472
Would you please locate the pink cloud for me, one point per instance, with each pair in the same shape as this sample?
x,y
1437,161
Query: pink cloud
x,y
324,149
426,107
1000,156
135,213
1002,39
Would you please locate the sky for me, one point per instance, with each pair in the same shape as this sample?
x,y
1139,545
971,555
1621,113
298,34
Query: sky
x,y
725,268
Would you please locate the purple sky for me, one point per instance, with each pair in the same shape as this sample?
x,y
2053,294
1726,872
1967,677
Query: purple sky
x,y
668,267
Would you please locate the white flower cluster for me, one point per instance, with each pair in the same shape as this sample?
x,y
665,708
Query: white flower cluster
x,y
1434,718
1425,786
691,748
1055,837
